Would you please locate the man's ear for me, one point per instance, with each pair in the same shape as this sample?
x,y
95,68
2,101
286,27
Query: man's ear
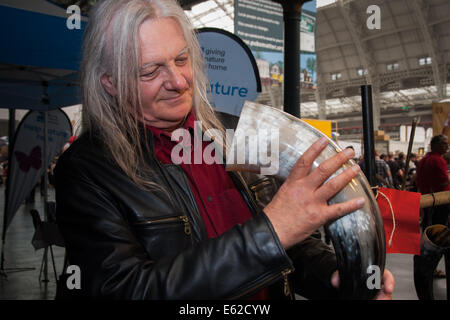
x,y
107,84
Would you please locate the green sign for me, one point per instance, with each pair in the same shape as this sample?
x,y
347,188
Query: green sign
x,y
308,23
259,23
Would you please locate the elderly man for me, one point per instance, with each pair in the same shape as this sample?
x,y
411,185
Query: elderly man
x,y
140,226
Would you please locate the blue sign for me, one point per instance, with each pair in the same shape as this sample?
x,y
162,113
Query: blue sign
x,y
232,71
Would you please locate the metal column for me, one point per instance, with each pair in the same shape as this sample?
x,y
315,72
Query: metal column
x,y
369,144
292,10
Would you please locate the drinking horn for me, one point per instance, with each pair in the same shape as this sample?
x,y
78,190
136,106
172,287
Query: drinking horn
x,y
269,141
434,243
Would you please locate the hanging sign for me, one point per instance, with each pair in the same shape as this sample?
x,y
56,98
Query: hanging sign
x,y
232,70
400,212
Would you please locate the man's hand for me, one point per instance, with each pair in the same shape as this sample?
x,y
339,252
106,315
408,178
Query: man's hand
x,y
387,285
300,206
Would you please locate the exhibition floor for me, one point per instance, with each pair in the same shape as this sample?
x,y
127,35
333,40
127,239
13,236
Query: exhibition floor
x,y
25,285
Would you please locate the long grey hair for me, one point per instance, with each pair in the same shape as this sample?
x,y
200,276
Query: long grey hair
x,y
111,47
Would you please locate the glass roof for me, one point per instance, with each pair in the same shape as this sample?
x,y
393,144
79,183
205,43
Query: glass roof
x,y
323,3
213,13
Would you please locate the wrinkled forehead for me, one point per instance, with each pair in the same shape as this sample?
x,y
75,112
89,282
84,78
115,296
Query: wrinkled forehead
x,y
161,39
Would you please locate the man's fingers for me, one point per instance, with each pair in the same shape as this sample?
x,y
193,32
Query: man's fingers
x,y
335,279
303,165
333,186
335,211
330,166
388,282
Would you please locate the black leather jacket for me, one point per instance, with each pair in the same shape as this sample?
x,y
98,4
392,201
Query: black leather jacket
x,y
134,244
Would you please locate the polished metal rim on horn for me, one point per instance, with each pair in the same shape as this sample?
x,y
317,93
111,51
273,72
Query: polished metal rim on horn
x,y
269,141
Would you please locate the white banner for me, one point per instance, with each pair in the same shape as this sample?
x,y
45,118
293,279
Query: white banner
x,y
26,162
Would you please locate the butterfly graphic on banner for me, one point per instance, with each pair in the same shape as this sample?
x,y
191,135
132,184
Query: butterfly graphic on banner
x,y
34,160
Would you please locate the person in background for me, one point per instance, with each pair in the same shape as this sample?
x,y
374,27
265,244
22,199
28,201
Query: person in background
x,y
414,158
395,170
401,162
446,157
411,177
432,176
382,171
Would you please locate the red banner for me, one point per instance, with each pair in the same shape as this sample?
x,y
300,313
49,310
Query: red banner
x,y
401,224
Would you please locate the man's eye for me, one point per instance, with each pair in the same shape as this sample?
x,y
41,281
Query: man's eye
x,y
181,60
150,74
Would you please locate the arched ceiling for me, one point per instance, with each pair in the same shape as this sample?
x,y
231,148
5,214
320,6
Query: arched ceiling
x,y
406,61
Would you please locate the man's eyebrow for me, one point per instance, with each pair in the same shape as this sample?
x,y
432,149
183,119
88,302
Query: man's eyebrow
x,y
186,49
149,64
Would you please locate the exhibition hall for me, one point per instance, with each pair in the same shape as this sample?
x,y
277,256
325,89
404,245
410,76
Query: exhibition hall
x,y
211,150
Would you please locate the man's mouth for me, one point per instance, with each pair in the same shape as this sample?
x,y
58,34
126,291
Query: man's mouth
x,y
173,98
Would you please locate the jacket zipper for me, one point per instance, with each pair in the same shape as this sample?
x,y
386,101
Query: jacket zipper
x,y
266,282
287,287
187,225
166,175
184,219
195,213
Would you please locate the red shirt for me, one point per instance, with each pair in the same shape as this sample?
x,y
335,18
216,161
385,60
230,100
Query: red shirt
x,y
432,173
219,201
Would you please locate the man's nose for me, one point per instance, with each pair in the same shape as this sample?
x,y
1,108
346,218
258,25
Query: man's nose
x,y
175,79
